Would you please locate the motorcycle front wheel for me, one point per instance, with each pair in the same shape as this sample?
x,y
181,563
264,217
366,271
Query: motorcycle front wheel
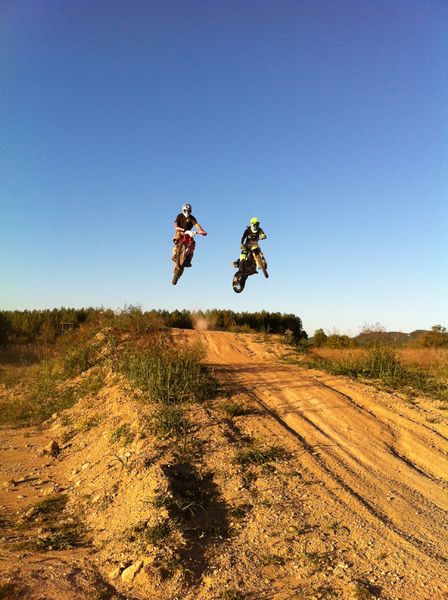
x,y
180,256
177,274
239,281
262,265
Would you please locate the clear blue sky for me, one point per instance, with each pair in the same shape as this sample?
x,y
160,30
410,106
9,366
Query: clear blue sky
x,y
326,119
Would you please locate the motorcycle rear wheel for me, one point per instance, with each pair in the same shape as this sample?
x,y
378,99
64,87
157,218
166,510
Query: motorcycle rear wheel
x,y
239,281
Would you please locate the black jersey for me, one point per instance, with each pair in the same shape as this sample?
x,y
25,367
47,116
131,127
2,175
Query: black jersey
x,y
252,236
185,223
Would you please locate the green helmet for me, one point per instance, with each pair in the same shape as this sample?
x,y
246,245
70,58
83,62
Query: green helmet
x,y
254,224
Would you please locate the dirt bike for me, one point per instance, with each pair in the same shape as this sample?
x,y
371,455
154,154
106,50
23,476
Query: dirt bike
x,y
185,246
251,257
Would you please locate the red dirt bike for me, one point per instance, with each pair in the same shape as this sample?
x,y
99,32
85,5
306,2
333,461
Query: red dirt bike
x,y
184,252
251,257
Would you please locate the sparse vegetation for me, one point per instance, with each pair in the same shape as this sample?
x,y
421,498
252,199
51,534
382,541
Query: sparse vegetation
x,y
258,456
48,527
232,409
168,421
122,434
386,365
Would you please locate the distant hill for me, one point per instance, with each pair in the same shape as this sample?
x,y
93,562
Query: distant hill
x,y
392,337
396,338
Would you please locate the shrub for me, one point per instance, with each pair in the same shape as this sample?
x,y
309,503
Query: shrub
x,y
170,373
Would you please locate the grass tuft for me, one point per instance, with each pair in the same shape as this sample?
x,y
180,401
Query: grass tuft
x,y
260,456
168,421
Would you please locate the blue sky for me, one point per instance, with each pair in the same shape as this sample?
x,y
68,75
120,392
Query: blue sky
x,y
327,120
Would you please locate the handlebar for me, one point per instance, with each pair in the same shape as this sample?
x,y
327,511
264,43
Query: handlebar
x,y
190,232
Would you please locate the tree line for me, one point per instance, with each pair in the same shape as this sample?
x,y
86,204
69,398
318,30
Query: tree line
x,y
437,337
46,326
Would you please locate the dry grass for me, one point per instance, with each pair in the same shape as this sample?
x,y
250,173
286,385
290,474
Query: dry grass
x,y
339,354
413,370
433,361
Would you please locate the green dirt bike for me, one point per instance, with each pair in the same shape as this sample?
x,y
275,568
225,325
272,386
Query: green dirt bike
x,y
251,257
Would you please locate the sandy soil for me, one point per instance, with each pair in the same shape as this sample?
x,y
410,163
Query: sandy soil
x,y
356,509
382,465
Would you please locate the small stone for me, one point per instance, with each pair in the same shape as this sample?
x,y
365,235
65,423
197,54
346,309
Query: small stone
x,y
52,449
85,466
129,573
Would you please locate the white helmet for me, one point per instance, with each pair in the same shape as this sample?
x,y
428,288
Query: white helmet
x,y
186,209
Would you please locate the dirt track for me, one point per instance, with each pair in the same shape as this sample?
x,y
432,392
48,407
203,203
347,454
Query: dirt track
x,y
356,509
382,464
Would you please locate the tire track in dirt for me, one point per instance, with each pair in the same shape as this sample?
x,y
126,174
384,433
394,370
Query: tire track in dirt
x,y
386,468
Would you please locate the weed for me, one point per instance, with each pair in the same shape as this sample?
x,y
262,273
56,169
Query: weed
x,y
47,508
122,434
187,449
122,461
57,530
320,560
168,421
79,359
89,424
248,478
61,537
259,456
239,512
155,534
232,409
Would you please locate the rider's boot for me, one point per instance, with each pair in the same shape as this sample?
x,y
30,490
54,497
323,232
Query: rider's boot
x,y
187,262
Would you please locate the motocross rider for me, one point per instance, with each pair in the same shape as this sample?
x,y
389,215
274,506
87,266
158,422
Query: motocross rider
x,y
252,233
185,222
